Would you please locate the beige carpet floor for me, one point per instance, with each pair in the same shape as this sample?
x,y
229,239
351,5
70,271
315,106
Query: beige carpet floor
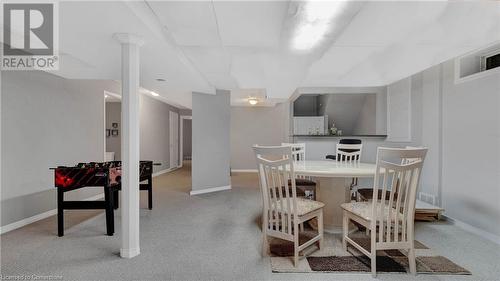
x,y
333,258
208,237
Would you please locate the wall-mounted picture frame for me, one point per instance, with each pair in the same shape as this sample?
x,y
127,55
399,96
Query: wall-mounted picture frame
x,y
108,133
114,125
114,133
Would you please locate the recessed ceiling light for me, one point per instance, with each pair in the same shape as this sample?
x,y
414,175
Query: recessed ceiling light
x,y
253,101
160,80
154,94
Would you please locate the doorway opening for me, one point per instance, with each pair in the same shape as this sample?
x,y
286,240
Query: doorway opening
x,y
186,139
112,126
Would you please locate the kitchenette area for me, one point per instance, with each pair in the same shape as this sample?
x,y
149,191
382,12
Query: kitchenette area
x,y
321,120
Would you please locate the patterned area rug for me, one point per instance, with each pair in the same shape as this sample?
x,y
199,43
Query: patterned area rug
x,y
332,258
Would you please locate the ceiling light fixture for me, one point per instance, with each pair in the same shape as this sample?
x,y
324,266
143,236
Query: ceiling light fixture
x,y
153,94
317,18
253,101
160,80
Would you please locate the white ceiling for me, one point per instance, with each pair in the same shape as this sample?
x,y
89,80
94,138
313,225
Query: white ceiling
x,y
245,46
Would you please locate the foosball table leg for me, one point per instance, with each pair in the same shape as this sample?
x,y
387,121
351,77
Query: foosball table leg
x,y
60,212
110,218
116,198
150,193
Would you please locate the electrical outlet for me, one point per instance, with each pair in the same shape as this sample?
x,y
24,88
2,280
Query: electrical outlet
x,y
427,198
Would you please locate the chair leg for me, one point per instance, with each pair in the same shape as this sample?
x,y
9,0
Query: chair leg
x,y
412,261
320,229
345,230
265,244
373,255
296,247
265,241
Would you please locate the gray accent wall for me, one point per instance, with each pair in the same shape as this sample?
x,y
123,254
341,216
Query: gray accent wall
x,y
460,124
114,115
471,149
187,139
211,140
256,125
46,121
154,131
366,123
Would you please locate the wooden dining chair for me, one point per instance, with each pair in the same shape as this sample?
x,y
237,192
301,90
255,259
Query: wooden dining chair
x,y
348,152
282,211
306,186
366,193
390,220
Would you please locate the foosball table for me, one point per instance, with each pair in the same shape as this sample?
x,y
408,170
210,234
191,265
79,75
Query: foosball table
x,y
105,174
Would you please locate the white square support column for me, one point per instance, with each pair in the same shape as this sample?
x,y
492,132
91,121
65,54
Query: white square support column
x,y
130,144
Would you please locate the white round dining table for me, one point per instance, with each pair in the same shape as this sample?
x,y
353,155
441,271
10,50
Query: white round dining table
x,y
333,185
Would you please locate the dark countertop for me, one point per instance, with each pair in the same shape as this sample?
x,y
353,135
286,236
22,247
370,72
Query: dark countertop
x,y
342,136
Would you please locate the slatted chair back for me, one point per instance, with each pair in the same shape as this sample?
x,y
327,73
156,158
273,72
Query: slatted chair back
x,y
349,152
397,171
275,166
298,150
298,155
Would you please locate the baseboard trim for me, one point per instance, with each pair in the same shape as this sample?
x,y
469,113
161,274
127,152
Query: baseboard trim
x,y
129,253
35,218
243,170
472,229
209,190
165,171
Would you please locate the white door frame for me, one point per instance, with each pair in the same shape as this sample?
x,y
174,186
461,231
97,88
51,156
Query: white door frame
x,y
173,166
181,137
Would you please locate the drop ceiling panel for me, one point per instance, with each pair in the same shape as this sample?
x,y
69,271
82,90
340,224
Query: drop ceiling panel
x,y
248,71
222,81
251,24
382,23
209,59
338,62
384,42
191,23
93,53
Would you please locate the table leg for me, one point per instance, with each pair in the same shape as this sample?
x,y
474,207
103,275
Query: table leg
x,y
60,212
108,199
116,198
150,192
333,192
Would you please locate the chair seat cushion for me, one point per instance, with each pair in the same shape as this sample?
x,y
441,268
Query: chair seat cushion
x,y
304,206
367,194
364,210
302,182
